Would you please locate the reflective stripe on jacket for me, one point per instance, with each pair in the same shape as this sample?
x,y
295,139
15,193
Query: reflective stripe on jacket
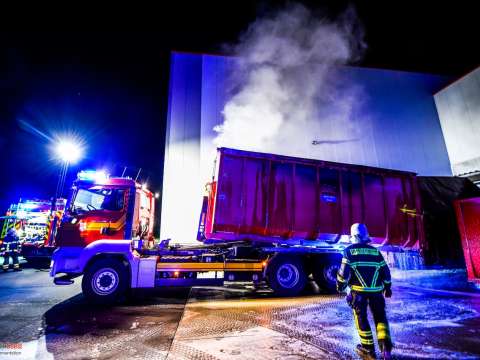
x,y
364,269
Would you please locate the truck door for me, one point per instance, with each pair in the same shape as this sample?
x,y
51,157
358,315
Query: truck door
x,y
143,215
101,213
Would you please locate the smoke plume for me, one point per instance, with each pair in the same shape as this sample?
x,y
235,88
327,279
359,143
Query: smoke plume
x,y
285,91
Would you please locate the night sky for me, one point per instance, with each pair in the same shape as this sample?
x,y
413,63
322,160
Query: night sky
x,y
103,74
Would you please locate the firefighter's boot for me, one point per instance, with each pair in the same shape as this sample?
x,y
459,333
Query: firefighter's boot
x,y
366,353
6,263
16,263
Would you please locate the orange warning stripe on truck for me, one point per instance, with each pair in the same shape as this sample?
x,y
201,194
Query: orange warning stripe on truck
x,y
98,225
202,266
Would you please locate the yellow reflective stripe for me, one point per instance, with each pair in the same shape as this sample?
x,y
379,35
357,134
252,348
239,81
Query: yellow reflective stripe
x,y
366,342
345,261
366,338
383,335
186,266
365,333
190,266
382,326
340,278
244,266
367,289
383,332
365,263
356,321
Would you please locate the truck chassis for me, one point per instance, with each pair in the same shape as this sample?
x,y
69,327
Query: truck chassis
x,y
111,268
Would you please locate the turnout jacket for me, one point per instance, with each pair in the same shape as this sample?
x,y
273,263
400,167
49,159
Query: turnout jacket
x,y
364,269
10,242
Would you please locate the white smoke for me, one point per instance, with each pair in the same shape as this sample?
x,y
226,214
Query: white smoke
x,y
286,86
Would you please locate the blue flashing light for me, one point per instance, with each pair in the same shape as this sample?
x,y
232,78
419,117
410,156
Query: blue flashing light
x,y
29,205
96,176
328,198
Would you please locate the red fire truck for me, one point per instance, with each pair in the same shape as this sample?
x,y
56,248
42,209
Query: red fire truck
x,y
267,218
35,221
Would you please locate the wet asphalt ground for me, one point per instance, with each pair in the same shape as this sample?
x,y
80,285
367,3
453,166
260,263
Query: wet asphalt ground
x,y
44,321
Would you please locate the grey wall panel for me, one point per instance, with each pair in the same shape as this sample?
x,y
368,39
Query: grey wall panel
x,y
458,107
182,149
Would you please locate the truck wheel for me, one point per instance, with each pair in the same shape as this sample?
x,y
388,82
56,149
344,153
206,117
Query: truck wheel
x,y
286,276
326,276
105,281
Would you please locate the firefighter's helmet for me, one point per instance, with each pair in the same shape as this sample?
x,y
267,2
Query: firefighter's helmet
x,y
359,233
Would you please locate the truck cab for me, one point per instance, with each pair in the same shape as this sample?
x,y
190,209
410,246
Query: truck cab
x,y
100,209
105,208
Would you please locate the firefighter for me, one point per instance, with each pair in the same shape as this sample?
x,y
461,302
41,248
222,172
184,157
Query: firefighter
x,y
365,271
10,248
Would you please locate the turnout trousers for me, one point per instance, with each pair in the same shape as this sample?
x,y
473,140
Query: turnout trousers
x,y
6,259
375,301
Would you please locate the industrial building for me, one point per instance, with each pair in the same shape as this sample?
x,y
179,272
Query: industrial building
x,y
406,121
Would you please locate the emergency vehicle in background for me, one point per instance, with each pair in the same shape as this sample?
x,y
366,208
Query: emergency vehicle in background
x,y
35,222
266,218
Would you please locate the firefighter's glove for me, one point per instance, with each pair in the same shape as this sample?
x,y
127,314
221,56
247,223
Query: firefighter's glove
x,y
387,292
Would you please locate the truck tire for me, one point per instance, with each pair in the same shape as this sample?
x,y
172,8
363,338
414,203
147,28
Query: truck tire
x,y
105,281
325,275
286,275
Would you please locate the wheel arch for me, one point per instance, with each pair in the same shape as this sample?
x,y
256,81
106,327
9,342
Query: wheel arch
x,y
116,256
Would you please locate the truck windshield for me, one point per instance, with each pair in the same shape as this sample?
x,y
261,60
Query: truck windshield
x,y
98,199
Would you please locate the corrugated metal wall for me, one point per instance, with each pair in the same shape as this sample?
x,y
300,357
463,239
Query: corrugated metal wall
x,y
181,187
458,108
398,124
